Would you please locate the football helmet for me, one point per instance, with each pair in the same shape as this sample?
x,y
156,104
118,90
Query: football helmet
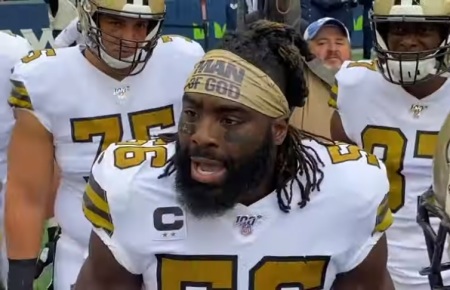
x,y
436,203
408,68
152,10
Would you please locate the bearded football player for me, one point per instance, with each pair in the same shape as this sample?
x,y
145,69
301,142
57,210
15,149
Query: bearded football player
x,y
394,107
240,200
70,104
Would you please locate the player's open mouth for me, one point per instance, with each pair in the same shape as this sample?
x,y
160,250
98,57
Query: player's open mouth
x,y
207,171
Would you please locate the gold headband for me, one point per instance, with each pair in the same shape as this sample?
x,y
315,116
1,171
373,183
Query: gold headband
x,y
223,74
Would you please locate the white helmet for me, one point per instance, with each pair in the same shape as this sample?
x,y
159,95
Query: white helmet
x,y
151,10
407,68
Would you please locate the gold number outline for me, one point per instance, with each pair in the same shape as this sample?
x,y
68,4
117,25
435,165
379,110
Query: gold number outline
x,y
169,38
226,266
372,65
133,118
139,154
106,141
88,138
35,54
395,172
354,154
418,152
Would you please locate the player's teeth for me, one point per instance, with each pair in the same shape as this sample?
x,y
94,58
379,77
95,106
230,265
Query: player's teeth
x,y
206,169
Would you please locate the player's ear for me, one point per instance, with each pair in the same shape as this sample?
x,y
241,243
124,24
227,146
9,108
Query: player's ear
x,y
279,130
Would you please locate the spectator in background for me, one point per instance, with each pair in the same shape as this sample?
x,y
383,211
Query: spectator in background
x,y
329,41
70,36
313,10
367,31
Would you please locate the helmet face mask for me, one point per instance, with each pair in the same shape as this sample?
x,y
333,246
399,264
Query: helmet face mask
x,y
129,55
435,241
408,67
435,204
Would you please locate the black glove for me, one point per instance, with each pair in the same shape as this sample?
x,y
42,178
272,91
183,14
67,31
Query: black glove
x,y
21,274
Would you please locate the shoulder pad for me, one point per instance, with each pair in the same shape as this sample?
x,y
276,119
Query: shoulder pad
x,y
13,47
110,186
352,72
365,64
179,45
34,74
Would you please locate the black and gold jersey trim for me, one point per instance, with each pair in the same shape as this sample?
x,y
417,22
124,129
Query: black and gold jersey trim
x,y
332,101
96,207
19,97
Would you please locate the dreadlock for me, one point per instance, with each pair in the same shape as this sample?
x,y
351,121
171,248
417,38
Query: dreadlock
x,y
280,52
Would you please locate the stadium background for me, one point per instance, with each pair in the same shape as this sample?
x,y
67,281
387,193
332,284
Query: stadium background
x,y
29,19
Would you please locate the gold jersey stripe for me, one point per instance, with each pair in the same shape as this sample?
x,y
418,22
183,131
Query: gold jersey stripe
x,y
332,101
96,207
97,199
384,216
19,97
98,221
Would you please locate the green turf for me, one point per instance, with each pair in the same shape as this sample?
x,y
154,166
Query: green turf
x,y
43,281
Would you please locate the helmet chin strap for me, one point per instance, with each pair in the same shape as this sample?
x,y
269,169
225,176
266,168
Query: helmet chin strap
x,y
407,70
410,71
125,62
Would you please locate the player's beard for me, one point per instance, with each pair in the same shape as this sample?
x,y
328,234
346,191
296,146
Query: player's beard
x,y
242,180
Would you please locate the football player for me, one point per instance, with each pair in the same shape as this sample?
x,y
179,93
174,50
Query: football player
x,y
13,48
394,107
70,105
241,199
435,202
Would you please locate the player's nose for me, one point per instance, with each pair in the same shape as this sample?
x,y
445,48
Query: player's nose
x,y
130,35
409,43
206,134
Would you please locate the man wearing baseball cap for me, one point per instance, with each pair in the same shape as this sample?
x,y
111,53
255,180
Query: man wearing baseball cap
x,y
329,40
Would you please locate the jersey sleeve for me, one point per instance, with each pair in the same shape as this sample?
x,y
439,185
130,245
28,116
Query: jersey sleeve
x,y
106,202
22,95
350,93
371,213
69,35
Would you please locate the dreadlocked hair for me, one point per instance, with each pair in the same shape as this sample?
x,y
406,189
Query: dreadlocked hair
x,y
280,52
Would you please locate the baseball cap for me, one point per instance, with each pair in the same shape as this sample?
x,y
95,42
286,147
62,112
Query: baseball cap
x,y
314,28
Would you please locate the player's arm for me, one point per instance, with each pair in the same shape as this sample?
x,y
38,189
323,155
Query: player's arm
x,y
30,176
371,274
101,271
365,263
112,262
337,129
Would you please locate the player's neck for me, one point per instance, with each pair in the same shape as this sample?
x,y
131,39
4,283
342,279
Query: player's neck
x,y
265,188
116,74
424,89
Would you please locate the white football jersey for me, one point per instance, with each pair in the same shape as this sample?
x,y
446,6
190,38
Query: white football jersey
x,y
138,217
402,131
12,49
85,110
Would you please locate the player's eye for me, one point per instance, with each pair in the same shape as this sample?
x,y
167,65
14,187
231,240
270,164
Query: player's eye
x,y
229,121
190,113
